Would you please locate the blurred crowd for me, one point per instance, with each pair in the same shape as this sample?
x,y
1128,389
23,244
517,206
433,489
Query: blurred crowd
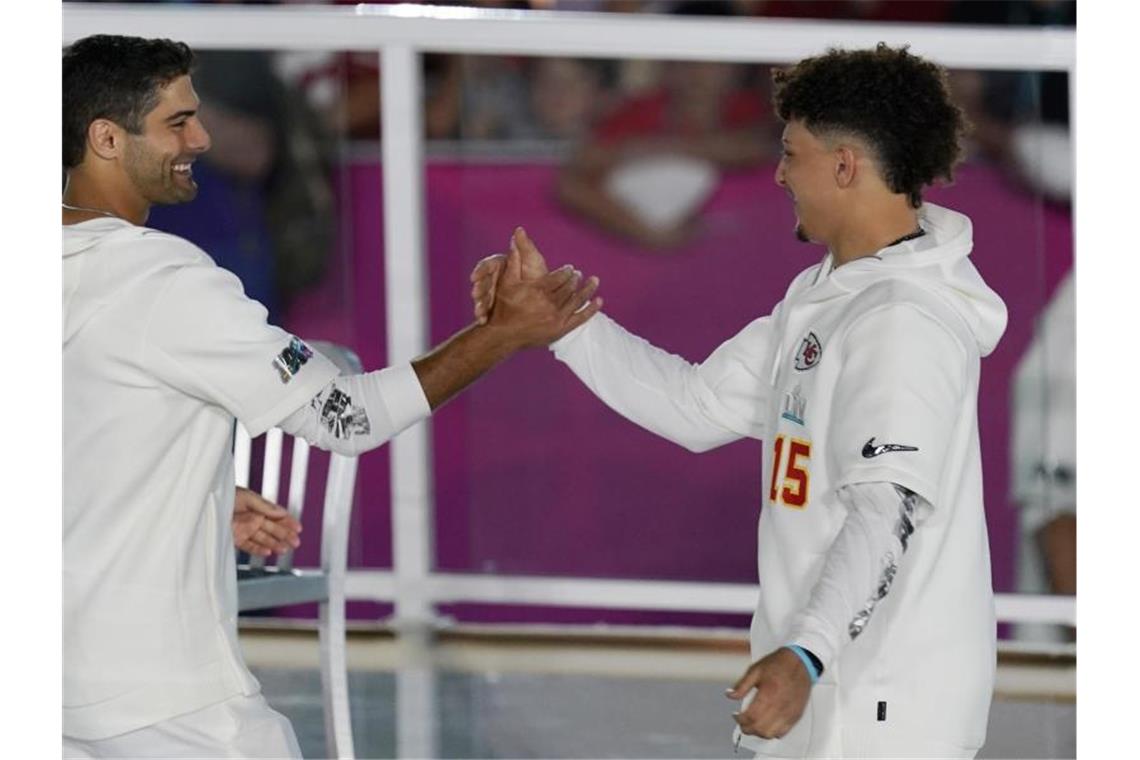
x,y
624,127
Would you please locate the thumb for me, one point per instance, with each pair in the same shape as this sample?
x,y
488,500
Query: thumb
x,y
263,506
514,261
532,261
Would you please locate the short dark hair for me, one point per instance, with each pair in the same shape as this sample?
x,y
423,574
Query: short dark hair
x,y
117,78
898,103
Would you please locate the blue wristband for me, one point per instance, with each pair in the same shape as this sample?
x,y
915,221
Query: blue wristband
x,y
799,652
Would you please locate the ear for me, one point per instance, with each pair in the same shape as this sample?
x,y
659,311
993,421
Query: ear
x,y
105,139
845,159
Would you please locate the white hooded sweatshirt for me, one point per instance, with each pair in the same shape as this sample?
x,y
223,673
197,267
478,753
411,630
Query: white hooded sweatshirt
x,y
161,351
863,374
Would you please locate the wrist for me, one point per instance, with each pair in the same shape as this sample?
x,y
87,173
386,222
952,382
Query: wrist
x,y
811,663
500,340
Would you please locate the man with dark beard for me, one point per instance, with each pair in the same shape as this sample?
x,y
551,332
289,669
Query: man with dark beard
x,y
161,352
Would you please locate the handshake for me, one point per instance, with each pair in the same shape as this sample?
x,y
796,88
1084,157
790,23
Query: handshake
x,y
515,294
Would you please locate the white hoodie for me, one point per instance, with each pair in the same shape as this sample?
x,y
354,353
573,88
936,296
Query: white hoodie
x,y
883,351
161,351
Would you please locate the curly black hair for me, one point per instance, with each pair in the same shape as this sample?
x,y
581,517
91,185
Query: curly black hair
x,y
117,78
898,103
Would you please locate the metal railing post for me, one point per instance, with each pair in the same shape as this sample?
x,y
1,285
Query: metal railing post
x,y
406,297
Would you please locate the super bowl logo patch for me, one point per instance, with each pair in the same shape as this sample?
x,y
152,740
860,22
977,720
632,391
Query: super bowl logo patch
x,y
809,353
794,406
290,360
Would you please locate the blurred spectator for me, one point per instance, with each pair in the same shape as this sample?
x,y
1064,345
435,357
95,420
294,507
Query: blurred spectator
x,y
494,98
565,96
654,159
1021,118
343,87
1044,458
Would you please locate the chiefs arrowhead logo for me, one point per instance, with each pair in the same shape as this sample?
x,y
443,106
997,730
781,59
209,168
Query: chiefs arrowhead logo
x,y
810,352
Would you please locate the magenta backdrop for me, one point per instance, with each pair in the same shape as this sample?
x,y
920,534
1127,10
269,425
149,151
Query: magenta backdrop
x,y
533,475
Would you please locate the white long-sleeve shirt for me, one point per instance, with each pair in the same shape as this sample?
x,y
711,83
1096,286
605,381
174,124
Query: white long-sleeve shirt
x,y
161,352
863,382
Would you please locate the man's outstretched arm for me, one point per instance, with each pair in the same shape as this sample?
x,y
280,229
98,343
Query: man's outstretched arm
x,y
529,313
358,413
697,406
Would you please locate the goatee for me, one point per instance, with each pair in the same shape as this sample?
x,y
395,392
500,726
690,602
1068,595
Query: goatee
x,y
801,235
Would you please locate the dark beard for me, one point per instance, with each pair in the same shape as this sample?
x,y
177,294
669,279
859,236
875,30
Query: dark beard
x,y
801,235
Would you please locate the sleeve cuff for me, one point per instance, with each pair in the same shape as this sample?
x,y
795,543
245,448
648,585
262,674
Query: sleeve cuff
x,y
564,342
806,659
403,396
817,645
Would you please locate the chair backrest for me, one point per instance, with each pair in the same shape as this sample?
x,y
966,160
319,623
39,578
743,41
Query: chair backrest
x,y
339,486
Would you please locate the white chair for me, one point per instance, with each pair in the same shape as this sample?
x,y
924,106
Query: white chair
x,y
262,585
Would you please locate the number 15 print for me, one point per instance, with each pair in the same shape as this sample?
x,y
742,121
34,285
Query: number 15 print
x,y
790,456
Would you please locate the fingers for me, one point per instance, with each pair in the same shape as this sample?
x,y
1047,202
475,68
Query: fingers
x,y
262,506
778,703
283,531
762,718
565,292
558,278
488,267
744,684
483,296
263,544
580,296
582,315
485,277
251,547
261,536
246,500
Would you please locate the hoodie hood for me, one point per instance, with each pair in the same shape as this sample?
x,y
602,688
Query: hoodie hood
x,y
938,262
92,274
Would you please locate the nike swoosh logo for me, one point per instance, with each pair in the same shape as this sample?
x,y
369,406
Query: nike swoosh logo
x,y
871,450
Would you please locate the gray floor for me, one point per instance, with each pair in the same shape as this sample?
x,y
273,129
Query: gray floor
x,y
522,715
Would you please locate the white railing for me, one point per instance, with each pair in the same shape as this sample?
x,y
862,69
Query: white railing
x,y
401,34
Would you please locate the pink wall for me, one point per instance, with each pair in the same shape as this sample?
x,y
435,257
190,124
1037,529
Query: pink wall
x,y
532,474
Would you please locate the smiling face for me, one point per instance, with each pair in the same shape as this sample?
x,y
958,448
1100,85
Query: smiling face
x,y
159,161
807,171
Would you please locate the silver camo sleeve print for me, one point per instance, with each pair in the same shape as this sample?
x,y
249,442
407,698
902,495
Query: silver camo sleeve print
x,y
904,528
338,415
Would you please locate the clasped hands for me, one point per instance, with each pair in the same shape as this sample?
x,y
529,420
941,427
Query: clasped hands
x,y
511,288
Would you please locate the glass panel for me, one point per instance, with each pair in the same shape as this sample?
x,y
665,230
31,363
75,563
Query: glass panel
x,y
536,477
533,475
1027,408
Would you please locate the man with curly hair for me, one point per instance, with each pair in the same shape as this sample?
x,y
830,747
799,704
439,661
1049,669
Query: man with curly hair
x,y
874,634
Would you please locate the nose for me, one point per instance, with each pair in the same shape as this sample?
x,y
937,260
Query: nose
x,y
779,178
198,139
